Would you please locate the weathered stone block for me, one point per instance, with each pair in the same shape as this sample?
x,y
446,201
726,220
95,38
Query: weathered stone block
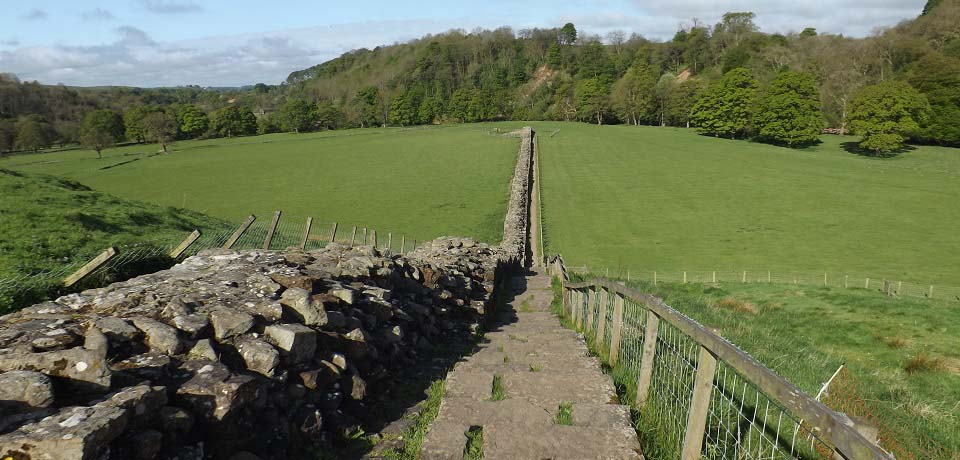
x,y
160,337
227,323
22,391
295,341
259,356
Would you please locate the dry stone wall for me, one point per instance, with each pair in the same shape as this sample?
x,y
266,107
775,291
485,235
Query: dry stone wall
x,y
240,354
516,225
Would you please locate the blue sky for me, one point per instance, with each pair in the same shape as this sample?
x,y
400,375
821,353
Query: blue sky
x,y
230,43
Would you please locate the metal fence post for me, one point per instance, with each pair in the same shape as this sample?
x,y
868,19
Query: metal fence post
x,y
699,405
646,360
617,327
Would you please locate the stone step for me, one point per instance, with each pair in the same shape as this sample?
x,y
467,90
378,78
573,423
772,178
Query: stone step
x,y
542,389
515,431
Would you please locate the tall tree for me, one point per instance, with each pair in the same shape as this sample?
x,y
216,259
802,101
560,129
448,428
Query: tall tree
x,y
133,122
938,78
159,127
8,135
886,114
33,133
234,120
681,100
789,112
593,100
725,109
296,115
568,34
101,129
193,121
634,95
403,109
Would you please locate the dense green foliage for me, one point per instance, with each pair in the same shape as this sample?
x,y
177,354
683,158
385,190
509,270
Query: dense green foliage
x,y
546,74
667,199
886,114
387,179
101,129
789,112
724,110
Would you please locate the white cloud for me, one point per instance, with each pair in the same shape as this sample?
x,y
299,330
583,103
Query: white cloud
x,y
136,59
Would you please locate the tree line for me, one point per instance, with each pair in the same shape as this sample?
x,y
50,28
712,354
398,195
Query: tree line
x,y
901,84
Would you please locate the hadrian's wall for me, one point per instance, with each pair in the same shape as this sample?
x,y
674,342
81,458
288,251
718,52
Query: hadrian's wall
x,y
240,354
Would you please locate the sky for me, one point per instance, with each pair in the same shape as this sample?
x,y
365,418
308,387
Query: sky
x,y
152,43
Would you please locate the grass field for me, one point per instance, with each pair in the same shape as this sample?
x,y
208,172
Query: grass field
x,y
423,182
901,354
650,198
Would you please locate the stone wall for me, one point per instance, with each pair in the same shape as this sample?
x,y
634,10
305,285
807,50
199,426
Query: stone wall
x,y
230,353
516,225
241,354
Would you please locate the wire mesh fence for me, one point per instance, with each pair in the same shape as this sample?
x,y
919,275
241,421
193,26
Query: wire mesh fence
x,y
131,260
727,407
891,285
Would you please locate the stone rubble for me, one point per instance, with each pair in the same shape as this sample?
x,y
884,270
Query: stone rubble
x,y
230,354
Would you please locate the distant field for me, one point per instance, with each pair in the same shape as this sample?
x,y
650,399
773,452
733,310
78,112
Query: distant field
x,y
424,182
650,198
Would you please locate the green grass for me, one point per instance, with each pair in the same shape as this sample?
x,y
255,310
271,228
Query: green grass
x,y
414,435
650,198
423,183
901,353
49,223
498,391
473,450
564,414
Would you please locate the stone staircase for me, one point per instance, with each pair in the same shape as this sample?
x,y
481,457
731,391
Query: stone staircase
x,y
541,364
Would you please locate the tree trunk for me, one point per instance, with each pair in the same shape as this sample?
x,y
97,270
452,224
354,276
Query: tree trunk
x,y
98,153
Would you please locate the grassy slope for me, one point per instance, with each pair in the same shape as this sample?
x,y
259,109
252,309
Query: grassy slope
x,y
47,222
389,179
825,327
668,199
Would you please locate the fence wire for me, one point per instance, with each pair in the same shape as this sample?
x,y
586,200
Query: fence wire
x,y
742,421
892,285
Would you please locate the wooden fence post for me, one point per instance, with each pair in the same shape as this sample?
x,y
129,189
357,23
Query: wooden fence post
x,y
364,236
769,278
591,301
654,277
353,236
714,276
846,281
240,231
646,360
684,277
94,264
373,238
601,317
931,291
333,233
617,328
866,284
271,231
390,240
699,406
899,285
824,279
403,243
744,276
306,234
179,250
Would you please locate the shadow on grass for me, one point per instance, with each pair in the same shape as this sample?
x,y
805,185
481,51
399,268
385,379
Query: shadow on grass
x,y
854,148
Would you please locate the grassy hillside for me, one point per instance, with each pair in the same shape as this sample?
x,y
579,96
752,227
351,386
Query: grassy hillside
x,y
649,198
423,182
903,367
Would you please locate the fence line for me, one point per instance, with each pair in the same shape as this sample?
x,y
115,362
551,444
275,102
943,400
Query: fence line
x,y
707,398
132,260
891,286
